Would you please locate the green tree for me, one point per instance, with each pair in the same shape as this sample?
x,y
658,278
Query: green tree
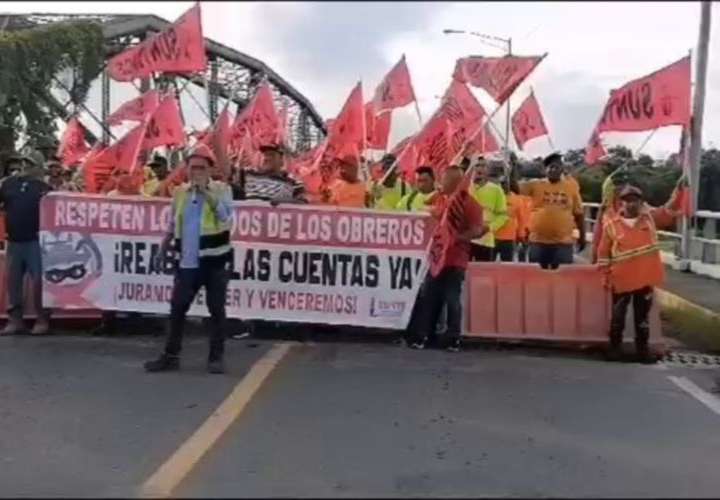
x,y
30,61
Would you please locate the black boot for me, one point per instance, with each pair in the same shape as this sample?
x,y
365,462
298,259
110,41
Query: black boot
x,y
614,353
164,363
644,356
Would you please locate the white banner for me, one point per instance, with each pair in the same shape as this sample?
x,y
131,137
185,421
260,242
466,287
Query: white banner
x,y
290,263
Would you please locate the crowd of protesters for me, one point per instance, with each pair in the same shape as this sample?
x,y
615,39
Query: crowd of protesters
x,y
504,217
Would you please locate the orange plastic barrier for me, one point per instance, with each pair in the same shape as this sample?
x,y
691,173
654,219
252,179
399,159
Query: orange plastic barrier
x,y
514,301
29,311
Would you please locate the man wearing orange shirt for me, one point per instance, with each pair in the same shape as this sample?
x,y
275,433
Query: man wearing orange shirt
x,y
557,212
630,256
348,190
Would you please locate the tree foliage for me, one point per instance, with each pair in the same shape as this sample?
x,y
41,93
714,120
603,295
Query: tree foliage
x,y
30,60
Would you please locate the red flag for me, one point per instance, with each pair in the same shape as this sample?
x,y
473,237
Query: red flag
x,y
378,128
448,229
595,149
179,48
484,142
136,109
498,76
305,168
527,122
407,159
433,144
72,143
464,113
259,119
346,134
657,100
221,126
121,156
165,127
396,90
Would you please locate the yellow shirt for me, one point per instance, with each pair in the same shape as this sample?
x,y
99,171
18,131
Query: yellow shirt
x,y
493,201
554,208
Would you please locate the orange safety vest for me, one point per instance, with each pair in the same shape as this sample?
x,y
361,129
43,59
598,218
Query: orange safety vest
x,y
632,253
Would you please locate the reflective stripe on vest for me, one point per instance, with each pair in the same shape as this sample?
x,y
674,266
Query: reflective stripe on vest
x,y
615,255
214,234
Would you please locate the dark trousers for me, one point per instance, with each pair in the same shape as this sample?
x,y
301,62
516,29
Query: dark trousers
x,y
550,256
187,284
642,302
24,258
523,249
505,249
445,289
480,253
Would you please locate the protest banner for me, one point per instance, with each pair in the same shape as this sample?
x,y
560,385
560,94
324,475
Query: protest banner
x,y
290,263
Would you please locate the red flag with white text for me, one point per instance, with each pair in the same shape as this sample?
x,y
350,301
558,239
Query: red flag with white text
x,y
135,109
498,76
179,48
527,122
396,90
73,146
657,100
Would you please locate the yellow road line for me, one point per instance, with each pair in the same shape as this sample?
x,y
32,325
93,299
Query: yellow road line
x,y
166,478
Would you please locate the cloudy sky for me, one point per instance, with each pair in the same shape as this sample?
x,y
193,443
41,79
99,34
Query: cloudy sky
x,y
323,48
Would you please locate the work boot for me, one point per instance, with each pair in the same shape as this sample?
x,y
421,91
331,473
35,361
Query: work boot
x,y
614,354
13,327
41,327
216,366
453,346
165,363
645,357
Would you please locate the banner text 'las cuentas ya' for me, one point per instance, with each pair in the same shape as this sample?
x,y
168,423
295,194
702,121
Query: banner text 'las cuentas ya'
x,y
290,263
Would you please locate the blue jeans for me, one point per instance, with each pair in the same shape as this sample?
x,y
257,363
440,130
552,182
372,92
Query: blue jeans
x,y
550,256
23,258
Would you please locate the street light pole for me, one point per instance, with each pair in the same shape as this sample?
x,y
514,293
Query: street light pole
x,y
507,47
695,150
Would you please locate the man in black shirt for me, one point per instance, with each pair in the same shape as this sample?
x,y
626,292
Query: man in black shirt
x,y
20,198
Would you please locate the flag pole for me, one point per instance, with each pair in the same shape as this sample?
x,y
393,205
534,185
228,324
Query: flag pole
x,y
550,141
507,112
644,143
417,111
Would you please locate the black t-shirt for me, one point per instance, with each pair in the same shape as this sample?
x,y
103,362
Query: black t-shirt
x,y
20,198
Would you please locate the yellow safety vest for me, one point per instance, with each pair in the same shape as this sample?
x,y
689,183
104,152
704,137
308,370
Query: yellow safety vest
x,y
214,234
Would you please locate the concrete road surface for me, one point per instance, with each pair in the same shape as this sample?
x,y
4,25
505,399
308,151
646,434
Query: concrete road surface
x,y
78,417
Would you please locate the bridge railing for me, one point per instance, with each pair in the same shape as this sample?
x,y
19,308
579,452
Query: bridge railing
x,y
704,242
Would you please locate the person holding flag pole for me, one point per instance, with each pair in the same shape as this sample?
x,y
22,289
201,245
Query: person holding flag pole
x,y
460,221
